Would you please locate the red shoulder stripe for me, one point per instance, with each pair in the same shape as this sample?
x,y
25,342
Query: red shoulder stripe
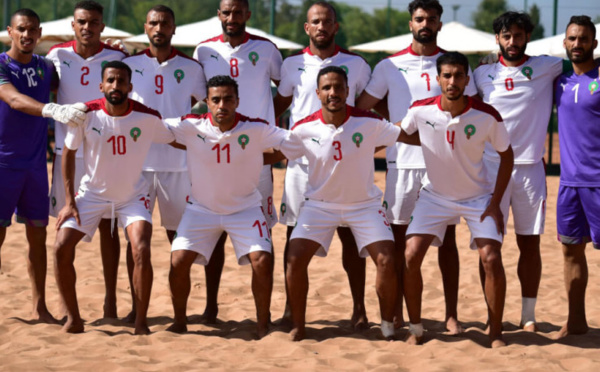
x,y
488,109
312,117
425,102
258,120
95,105
195,116
63,45
140,107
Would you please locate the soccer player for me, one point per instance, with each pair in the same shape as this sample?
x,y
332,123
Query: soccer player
x,y
170,82
25,83
577,99
116,138
78,64
228,146
453,130
520,88
404,78
297,87
253,62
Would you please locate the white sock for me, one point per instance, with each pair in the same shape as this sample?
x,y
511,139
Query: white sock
x,y
416,329
528,310
387,329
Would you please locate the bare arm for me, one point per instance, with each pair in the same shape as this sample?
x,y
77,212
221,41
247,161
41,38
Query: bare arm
x,y
68,175
366,101
281,104
409,139
504,173
178,145
272,157
19,101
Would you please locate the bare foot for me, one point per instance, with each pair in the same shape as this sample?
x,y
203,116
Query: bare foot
x,y
142,330
359,321
110,311
499,342
73,326
262,331
411,339
177,328
571,330
130,318
44,316
209,316
453,326
297,334
529,326
286,318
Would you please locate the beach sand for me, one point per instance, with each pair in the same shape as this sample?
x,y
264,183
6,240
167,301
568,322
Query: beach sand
x,y
331,344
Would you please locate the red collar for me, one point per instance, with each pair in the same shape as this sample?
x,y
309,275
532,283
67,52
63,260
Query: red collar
x,y
525,58
237,120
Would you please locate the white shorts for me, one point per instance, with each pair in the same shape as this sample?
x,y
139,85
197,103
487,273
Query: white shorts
x,y
525,194
294,188
199,231
432,214
93,208
57,191
171,189
265,187
368,225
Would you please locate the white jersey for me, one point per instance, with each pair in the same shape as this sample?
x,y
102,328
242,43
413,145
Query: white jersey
x,y
168,88
407,77
453,147
115,147
79,78
340,160
523,96
225,167
253,64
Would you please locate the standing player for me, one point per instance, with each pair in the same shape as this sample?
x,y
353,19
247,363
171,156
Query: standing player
x,y
78,64
520,88
25,83
406,77
577,97
453,130
297,87
170,82
228,146
116,138
253,62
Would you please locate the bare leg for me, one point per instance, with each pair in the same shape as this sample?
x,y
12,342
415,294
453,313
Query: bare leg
x,y
179,281
400,244
2,236
286,319
382,253
300,253
529,270
495,286
262,288
576,279
355,267
37,266
140,234
449,263
110,249
64,271
416,247
213,272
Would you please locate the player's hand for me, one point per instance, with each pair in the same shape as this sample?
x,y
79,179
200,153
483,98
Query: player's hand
x,y
67,212
72,115
116,43
493,211
490,59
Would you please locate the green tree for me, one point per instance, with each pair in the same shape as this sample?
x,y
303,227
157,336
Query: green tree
x,y
538,31
486,12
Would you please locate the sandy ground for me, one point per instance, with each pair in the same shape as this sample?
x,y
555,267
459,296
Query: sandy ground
x,y
331,344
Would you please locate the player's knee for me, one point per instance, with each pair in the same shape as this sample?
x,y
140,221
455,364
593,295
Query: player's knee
x,y
492,261
262,262
141,253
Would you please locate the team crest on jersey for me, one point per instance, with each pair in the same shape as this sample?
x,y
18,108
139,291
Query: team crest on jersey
x,y
135,133
243,140
345,68
470,130
593,86
253,58
179,75
357,138
283,209
40,73
385,205
527,71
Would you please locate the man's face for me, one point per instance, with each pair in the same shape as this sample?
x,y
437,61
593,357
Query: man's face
x,y
115,85
579,43
512,43
332,91
425,25
88,26
222,103
24,32
321,26
453,79
160,28
233,15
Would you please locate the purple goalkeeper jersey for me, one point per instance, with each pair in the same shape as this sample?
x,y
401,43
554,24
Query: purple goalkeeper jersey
x,y
23,137
577,99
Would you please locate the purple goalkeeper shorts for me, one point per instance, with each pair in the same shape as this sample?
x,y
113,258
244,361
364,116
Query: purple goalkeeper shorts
x,y
578,215
24,192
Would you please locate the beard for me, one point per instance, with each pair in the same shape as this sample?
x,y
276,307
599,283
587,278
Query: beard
x,y
425,39
584,57
115,100
322,44
238,32
519,56
166,42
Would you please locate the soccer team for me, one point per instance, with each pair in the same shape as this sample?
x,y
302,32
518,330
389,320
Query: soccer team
x,y
469,144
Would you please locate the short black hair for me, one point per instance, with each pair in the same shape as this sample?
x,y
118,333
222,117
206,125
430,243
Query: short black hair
x,y
452,58
245,2
90,5
163,9
327,5
335,70
26,12
425,5
508,19
222,81
118,65
584,21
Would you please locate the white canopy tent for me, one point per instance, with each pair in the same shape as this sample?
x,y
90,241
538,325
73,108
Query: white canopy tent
x,y
553,46
454,36
193,34
59,31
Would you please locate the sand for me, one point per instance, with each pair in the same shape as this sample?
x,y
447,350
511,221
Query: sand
x,y
331,344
